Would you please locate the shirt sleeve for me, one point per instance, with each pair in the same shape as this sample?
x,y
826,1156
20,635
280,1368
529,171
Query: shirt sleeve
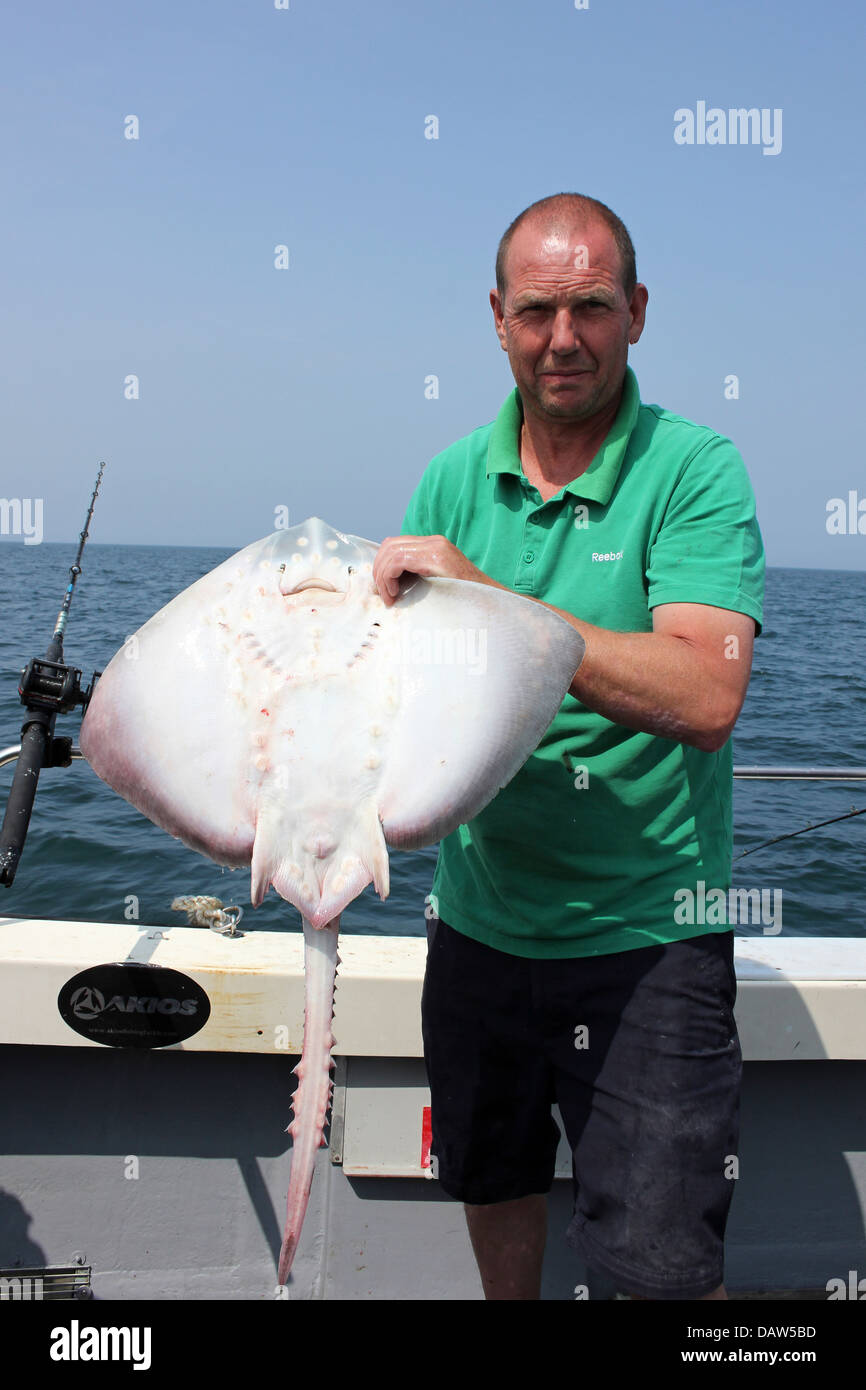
x,y
708,548
416,522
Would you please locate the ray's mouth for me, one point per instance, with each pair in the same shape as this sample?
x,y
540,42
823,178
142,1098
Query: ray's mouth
x,y
314,583
315,589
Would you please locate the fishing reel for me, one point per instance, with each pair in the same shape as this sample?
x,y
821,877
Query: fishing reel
x,y
54,687
49,688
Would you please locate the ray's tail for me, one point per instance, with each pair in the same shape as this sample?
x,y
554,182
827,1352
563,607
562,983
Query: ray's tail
x,y
313,1091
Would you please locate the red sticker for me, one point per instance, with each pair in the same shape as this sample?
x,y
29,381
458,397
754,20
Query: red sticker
x,y
426,1136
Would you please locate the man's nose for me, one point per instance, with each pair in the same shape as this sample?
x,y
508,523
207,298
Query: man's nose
x,y
564,334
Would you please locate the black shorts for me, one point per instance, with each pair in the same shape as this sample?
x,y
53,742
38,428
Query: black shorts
x,y
640,1051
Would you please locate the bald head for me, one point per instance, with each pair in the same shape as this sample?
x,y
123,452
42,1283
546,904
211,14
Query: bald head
x,y
562,214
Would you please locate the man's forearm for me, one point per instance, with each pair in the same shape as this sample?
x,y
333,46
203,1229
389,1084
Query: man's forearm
x,y
649,681
653,682
657,682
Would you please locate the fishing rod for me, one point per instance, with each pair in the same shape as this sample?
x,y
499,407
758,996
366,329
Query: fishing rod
x,y
792,834
49,686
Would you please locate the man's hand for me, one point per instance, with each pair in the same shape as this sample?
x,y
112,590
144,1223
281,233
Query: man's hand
x,y
428,556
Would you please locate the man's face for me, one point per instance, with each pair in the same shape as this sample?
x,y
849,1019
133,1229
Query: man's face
x,y
565,321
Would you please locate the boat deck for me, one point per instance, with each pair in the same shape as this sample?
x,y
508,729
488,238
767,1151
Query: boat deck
x,y
162,1174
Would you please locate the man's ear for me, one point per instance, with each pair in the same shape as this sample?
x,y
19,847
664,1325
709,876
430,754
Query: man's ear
x,y
498,318
637,308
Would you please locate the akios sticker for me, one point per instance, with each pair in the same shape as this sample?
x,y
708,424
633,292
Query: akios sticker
x,y
133,1005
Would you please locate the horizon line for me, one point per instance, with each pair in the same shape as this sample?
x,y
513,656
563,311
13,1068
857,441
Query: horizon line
x,y
233,548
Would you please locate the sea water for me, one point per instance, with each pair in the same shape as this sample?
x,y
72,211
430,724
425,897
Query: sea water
x,y
91,857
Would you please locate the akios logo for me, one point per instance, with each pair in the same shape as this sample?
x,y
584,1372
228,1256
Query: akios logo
x,y
714,907
90,1003
736,126
133,1004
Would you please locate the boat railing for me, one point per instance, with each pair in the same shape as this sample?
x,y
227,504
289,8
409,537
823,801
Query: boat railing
x,y
8,755
753,774
801,774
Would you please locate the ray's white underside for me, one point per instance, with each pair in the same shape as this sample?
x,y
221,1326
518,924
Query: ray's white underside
x,y
277,714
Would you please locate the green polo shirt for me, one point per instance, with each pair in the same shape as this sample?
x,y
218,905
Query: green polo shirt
x,y
583,851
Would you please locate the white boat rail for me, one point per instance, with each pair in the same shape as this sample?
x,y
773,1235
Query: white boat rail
x,y
768,774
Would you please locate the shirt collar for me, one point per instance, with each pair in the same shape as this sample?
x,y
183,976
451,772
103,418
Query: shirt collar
x,y
598,481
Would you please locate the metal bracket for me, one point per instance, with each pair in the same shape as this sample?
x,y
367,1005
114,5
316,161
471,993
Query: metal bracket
x,y
338,1109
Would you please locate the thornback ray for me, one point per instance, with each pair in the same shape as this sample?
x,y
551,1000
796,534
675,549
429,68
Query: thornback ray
x,y
277,715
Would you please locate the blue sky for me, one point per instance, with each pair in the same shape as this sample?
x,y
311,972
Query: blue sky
x,y
304,387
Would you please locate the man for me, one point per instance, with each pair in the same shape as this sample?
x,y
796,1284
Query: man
x,y
560,967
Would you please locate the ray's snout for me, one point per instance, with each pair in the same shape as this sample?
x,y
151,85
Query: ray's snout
x,y
315,556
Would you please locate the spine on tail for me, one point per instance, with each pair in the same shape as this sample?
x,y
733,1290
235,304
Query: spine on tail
x,y
313,1091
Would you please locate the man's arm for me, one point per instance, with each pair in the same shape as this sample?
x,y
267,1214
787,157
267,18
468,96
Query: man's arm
x,y
686,680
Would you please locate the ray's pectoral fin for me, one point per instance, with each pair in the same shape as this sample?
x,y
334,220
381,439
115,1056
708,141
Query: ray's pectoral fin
x,y
483,673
